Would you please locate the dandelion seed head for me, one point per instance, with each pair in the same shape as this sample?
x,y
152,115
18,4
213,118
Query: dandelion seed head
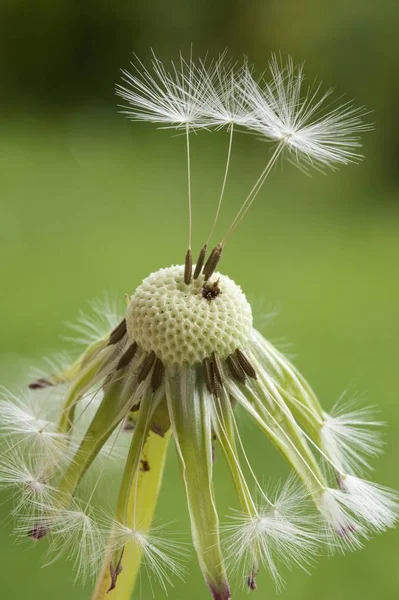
x,y
176,322
176,364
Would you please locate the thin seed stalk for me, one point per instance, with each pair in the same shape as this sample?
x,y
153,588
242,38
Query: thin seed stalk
x,y
140,506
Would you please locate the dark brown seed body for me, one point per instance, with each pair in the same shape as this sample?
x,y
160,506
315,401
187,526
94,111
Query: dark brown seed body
x,y
200,262
217,368
127,356
39,384
245,364
208,373
146,367
188,267
235,368
118,333
251,581
115,572
212,261
38,532
157,374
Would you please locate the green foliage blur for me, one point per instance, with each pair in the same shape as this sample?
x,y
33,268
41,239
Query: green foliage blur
x,y
93,203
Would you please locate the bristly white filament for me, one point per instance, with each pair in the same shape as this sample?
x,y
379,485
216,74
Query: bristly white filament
x,y
343,530
92,326
174,97
161,557
75,533
225,104
282,532
349,435
376,505
26,475
356,510
26,421
313,131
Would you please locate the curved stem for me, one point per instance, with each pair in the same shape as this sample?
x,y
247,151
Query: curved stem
x,y
141,504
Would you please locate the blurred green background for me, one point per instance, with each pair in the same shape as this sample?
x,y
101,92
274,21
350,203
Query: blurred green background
x,y
92,203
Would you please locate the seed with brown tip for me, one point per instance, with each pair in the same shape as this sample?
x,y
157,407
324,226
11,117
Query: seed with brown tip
x,y
157,374
245,364
146,366
208,373
212,261
38,532
127,356
118,333
188,267
235,368
217,368
200,262
39,384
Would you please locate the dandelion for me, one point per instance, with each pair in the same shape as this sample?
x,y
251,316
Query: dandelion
x,y
177,363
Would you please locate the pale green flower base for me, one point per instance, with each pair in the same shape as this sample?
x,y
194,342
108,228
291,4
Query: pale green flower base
x,y
142,503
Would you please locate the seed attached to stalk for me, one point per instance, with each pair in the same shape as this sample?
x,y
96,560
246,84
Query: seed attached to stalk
x,y
245,364
127,356
188,267
212,261
118,333
146,366
208,374
200,262
157,375
235,368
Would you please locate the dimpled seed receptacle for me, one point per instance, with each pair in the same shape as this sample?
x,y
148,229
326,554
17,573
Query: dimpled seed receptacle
x,y
181,326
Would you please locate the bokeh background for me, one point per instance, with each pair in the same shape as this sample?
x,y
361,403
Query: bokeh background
x,y
93,203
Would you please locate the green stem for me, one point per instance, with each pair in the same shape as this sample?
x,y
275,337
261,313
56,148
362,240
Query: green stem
x,y
83,382
141,505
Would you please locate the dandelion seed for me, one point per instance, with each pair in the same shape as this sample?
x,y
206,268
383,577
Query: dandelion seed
x,y
376,505
174,97
282,532
76,535
161,557
343,530
25,421
27,477
349,434
224,104
302,120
